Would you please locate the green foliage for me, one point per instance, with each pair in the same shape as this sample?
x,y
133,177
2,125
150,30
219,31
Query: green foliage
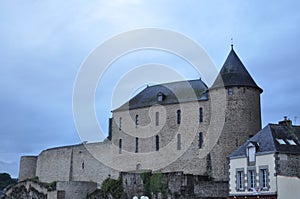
x,y
51,186
112,187
154,183
5,180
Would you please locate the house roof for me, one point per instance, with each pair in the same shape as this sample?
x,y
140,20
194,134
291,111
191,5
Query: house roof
x,y
173,93
273,138
234,73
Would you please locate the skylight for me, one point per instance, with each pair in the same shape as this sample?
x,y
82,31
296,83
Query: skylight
x,y
291,142
280,141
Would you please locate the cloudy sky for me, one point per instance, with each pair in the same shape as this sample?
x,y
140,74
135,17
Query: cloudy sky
x,y
44,43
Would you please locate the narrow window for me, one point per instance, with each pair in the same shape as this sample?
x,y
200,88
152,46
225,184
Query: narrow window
x,y
82,165
136,120
201,115
178,116
200,140
156,118
178,142
157,143
136,144
263,178
230,91
120,123
251,179
240,180
120,146
236,141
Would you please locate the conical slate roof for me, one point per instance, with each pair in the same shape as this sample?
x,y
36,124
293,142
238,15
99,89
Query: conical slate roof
x,y
234,73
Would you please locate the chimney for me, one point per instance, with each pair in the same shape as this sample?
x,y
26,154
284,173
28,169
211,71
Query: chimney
x,y
286,121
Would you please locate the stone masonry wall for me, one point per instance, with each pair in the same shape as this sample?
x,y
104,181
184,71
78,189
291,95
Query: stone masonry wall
x,y
27,167
187,155
242,119
287,164
180,186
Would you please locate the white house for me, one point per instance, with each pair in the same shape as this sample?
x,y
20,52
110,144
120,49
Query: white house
x,y
267,166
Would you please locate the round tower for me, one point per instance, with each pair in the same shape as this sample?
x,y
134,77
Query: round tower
x,y
241,111
27,167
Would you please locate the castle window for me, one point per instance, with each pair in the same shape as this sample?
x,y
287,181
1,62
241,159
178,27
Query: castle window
x,y
200,140
136,144
120,123
82,165
201,115
136,120
240,184
178,116
160,97
264,177
178,141
157,143
251,179
156,118
230,91
120,146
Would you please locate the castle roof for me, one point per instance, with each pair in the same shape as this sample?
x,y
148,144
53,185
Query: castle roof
x,y
171,93
234,73
274,138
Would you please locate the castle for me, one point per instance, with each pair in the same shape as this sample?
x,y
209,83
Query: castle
x,y
174,127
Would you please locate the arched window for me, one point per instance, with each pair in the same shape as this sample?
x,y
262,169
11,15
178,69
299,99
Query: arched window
x,y
178,141
178,116
136,144
156,118
136,120
120,123
120,146
201,115
157,142
200,140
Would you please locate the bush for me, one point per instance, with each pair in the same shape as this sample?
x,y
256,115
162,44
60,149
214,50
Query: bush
x,y
112,187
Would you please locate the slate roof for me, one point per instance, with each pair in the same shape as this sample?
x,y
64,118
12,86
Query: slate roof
x,y
234,73
266,140
173,93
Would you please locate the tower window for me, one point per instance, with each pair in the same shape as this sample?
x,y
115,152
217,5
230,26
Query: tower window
x,y
157,142
82,165
230,91
120,146
200,140
178,141
136,144
156,118
178,116
136,120
201,115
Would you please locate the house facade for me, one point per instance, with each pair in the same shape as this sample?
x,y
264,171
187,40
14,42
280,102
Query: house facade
x,y
267,165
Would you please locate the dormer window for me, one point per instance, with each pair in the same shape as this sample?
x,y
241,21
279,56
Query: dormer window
x,y
251,152
160,97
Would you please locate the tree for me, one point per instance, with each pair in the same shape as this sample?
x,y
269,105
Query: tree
x,y
5,180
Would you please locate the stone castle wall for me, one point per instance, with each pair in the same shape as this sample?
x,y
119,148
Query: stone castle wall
x,y
72,163
167,129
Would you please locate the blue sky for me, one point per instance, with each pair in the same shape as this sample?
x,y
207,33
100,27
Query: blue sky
x,y
44,43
